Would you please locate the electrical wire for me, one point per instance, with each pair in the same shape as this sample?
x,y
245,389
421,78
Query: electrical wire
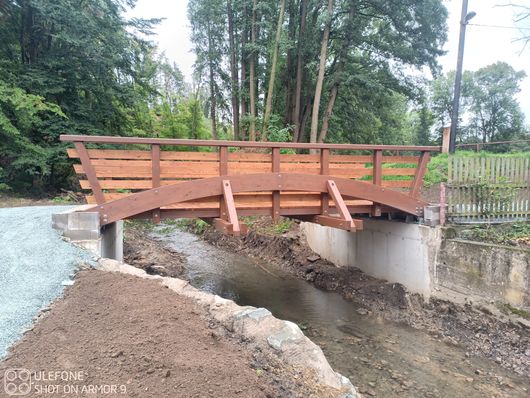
x,y
497,26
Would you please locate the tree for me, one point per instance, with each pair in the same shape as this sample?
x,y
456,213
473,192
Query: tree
x,y
67,66
274,63
208,35
495,112
489,109
321,71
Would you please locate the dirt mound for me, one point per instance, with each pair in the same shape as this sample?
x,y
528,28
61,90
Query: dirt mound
x,y
144,340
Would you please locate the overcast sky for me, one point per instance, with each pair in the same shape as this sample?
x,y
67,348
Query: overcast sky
x,y
484,45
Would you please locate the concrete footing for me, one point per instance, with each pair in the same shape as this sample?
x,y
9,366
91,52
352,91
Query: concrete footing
x,y
83,228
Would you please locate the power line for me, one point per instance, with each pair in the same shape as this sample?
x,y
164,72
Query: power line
x,y
497,26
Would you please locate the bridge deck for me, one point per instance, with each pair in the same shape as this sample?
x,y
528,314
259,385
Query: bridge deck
x,y
117,177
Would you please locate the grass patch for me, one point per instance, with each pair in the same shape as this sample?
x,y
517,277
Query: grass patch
x,y
507,308
265,225
437,169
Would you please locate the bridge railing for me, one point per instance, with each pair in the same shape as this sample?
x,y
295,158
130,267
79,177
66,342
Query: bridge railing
x,y
146,163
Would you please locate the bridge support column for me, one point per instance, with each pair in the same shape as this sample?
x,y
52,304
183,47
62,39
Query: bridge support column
x,y
83,228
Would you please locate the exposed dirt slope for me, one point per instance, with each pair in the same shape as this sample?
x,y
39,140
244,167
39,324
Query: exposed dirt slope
x,y
132,333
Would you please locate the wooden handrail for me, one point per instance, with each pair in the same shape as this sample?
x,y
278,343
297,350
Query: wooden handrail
x,y
242,144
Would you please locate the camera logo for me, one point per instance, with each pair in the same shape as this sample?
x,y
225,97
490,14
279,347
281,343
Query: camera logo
x,y
17,382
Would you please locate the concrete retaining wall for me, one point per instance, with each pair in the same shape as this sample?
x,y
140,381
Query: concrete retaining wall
x,y
499,273
395,251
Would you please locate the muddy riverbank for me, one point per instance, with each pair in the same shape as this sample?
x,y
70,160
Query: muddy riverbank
x,y
450,349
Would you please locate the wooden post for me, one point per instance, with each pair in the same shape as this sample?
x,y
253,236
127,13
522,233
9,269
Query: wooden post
x,y
231,208
275,194
443,204
155,176
324,170
90,172
223,171
377,178
445,139
417,183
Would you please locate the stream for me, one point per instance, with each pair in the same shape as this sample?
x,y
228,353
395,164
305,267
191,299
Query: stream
x,y
381,358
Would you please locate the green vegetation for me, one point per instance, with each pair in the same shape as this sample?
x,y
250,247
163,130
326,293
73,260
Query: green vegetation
x,y
196,226
338,71
517,233
267,226
437,168
507,308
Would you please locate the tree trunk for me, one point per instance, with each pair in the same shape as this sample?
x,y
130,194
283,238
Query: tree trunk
x,y
303,122
213,101
338,68
252,83
328,113
289,76
234,82
244,61
299,72
272,78
320,79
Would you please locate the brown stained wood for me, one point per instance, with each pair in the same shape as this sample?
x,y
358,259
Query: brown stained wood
x,y
113,154
339,204
193,190
223,161
324,170
338,223
296,212
146,184
417,183
241,144
228,228
377,178
199,170
230,207
155,176
89,171
276,204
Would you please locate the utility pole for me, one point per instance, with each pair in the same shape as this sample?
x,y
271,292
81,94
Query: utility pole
x,y
465,17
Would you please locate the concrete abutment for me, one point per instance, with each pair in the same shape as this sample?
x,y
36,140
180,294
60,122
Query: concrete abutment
x,y
84,229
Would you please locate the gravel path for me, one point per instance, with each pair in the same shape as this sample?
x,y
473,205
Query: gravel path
x,y
34,261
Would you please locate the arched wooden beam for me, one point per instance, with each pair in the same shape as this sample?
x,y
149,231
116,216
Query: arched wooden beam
x,y
192,190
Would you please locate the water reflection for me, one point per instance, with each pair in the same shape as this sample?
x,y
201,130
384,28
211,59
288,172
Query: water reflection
x,y
380,357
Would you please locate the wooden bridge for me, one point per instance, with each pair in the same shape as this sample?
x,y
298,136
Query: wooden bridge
x,y
221,180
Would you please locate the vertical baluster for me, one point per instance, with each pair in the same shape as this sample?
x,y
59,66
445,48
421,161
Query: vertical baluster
x,y
324,170
276,194
155,176
223,171
377,177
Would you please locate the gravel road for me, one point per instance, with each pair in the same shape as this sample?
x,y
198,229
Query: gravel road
x,y
34,262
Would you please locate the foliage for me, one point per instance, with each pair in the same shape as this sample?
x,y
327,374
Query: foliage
x,y
437,168
374,52
82,68
517,233
489,110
